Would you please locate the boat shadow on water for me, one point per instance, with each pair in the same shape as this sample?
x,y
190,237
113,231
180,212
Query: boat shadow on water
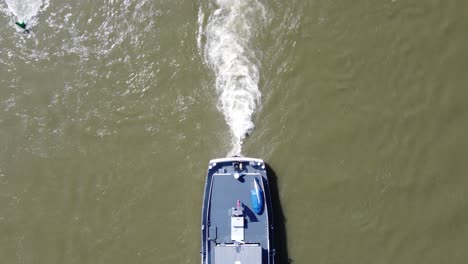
x,y
280,237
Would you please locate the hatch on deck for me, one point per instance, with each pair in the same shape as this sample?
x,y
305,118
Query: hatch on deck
x,y
241,254
237,228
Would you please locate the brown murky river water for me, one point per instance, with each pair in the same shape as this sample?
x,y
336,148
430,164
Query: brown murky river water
x,y
110,111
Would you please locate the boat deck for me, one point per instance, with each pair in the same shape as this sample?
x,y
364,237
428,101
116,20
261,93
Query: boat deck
x,y
226,190
220,238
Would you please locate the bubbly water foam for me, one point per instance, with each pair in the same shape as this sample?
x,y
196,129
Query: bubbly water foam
x,y
25,10
230,53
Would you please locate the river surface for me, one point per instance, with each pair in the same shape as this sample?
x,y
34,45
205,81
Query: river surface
x,y
110,111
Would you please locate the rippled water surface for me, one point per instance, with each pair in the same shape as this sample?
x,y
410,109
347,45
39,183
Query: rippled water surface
x,y
110,111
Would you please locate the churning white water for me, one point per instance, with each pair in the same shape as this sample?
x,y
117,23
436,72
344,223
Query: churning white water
x,y
25,10
230,53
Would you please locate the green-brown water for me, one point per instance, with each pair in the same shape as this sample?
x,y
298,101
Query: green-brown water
x,y
110,111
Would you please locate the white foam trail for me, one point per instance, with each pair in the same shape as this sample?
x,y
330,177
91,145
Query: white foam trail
x,y
25,10
231,55
201,17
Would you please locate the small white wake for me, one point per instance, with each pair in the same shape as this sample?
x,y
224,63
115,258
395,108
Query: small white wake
x,y
230,53
26,10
